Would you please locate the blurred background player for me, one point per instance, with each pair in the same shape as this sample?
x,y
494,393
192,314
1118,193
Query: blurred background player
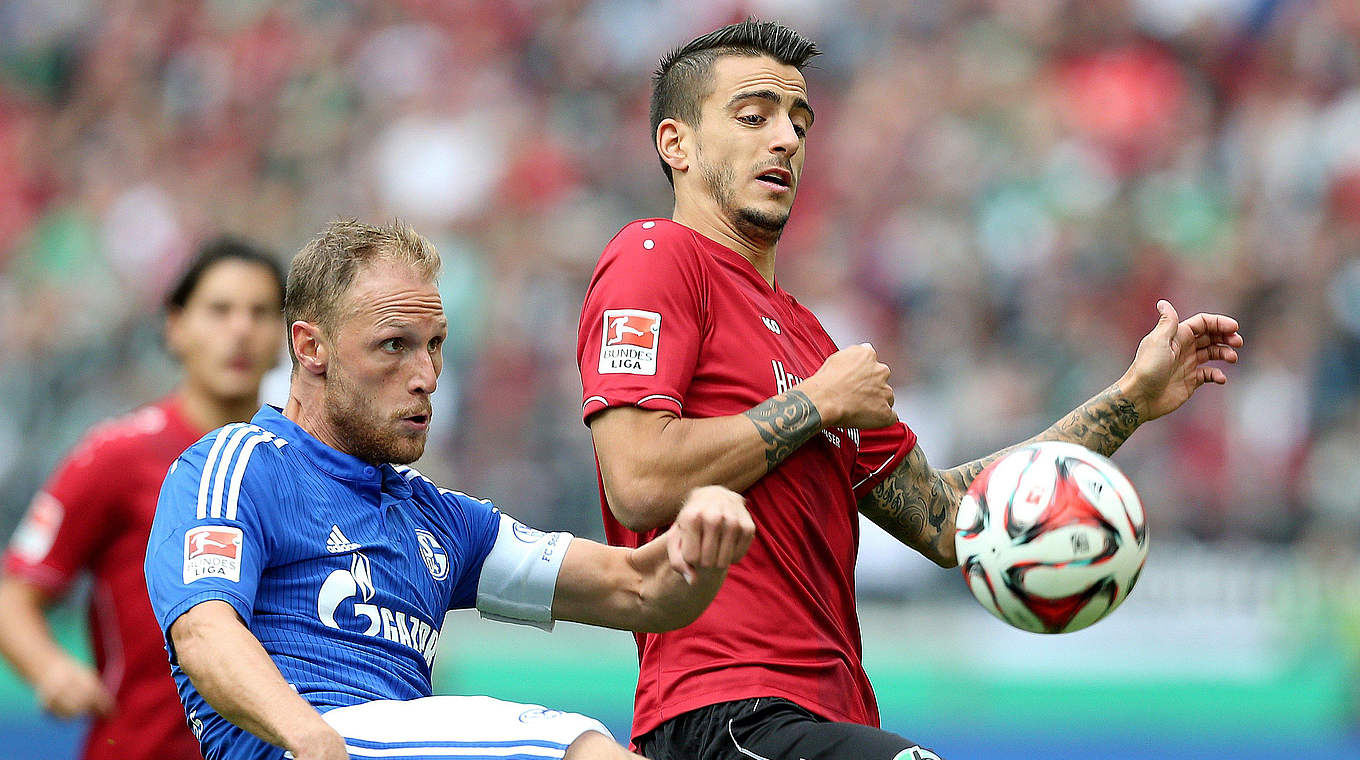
x,y
724,378
222,323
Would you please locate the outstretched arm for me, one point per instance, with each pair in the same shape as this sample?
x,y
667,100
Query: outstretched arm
x,y
649,459
918,504
664,584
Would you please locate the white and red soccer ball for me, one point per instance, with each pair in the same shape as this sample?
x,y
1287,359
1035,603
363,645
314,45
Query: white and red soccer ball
x,y
1051,537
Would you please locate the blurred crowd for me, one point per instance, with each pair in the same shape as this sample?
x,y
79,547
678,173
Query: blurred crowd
x,y
996,193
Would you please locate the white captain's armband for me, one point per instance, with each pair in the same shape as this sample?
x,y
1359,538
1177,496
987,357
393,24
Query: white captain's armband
x,y
519,576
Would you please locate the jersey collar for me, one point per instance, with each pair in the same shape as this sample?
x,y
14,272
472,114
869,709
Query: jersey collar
x,y
336,463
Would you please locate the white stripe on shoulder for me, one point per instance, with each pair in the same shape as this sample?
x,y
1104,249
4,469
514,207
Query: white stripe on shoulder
x,y
223,465
600,399
451,492
410,473
239,471
208,465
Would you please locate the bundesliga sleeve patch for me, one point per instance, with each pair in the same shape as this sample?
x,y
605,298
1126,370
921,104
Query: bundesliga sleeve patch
x,y
36,534
212,551
630,342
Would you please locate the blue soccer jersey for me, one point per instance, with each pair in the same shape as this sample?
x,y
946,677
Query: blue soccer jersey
x,y
342,569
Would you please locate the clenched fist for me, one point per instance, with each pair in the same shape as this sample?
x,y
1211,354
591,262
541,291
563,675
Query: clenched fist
x,y
712,530
851,389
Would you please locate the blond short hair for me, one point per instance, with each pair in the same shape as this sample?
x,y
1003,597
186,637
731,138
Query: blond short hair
x,y
323,271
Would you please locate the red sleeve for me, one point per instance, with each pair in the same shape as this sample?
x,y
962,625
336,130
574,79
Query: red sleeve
x,y
880,452
60,532
642,322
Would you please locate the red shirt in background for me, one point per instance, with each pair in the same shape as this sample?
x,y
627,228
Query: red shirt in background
x,y
95,514
675,321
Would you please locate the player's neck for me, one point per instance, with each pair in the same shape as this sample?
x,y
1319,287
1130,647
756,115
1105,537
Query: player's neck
x,y
306,407
716,227
205,411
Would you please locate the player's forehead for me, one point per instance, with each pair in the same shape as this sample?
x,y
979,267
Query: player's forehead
x,y
386,293
235,280
734,75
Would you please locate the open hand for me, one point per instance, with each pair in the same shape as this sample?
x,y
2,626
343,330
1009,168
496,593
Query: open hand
x,y
712,530
1173,360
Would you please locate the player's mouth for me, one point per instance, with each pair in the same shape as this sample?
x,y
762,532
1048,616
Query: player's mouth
x,y
776,179
417,421
240,363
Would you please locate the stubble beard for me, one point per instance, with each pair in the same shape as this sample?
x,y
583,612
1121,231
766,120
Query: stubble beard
x,y
362,430
754,224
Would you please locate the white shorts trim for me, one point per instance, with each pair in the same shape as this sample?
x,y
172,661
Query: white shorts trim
x,y
467,728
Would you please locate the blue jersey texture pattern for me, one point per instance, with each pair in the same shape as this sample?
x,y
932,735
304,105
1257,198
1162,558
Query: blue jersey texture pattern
x,y
341,568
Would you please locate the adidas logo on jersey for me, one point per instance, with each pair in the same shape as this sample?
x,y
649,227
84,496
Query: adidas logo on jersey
x,y
336,543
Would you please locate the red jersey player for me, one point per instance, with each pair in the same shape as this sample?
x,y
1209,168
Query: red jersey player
x,y
223,322
697,368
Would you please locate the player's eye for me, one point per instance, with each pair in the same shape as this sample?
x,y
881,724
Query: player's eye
x,y
436,343
752,119
391,345
800,130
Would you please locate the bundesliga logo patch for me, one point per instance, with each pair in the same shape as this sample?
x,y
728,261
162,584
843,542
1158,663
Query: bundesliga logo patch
x,y
212,551
630,341
36,534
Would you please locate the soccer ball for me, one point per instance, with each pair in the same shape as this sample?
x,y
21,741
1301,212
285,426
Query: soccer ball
x,y
1051,537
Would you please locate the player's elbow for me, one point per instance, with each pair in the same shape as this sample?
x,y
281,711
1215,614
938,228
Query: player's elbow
x,y
940,549
945,556
660,615
641,504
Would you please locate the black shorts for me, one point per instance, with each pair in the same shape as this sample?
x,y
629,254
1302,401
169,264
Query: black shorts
x,y
771,728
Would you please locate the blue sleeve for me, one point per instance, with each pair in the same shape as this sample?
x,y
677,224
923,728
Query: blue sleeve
x,y
207,539
473,523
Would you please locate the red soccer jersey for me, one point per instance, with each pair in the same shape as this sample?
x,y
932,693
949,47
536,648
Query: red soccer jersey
x,y
95,514
675,321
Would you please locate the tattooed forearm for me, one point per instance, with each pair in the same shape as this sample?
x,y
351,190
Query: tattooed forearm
x,y
918,504
1101,424
785,422
918,507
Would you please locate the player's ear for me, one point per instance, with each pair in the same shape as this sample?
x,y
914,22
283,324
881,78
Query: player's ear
x,y
673,143
310,347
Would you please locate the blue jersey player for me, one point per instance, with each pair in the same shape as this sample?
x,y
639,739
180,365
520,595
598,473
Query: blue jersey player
x,y
301,572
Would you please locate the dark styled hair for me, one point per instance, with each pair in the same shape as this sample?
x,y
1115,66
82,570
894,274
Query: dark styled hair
x,y
681,81
209,255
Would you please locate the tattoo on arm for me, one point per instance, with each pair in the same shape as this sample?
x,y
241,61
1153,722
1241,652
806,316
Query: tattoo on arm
x,y
1101,424
784,422
918,504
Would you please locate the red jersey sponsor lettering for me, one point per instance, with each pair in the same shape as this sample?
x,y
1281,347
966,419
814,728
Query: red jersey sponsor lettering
x,y
729,341
94,515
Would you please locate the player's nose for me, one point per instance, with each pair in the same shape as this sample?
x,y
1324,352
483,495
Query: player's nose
x,y
425,374
785,138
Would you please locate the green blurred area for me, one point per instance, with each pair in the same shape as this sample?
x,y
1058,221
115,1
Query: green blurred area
x,y
1213,679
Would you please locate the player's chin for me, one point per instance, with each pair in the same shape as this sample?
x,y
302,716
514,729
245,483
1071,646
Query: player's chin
x,y
236,386
406,452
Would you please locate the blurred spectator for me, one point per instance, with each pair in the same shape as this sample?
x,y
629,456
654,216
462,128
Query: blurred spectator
x,y
998,188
